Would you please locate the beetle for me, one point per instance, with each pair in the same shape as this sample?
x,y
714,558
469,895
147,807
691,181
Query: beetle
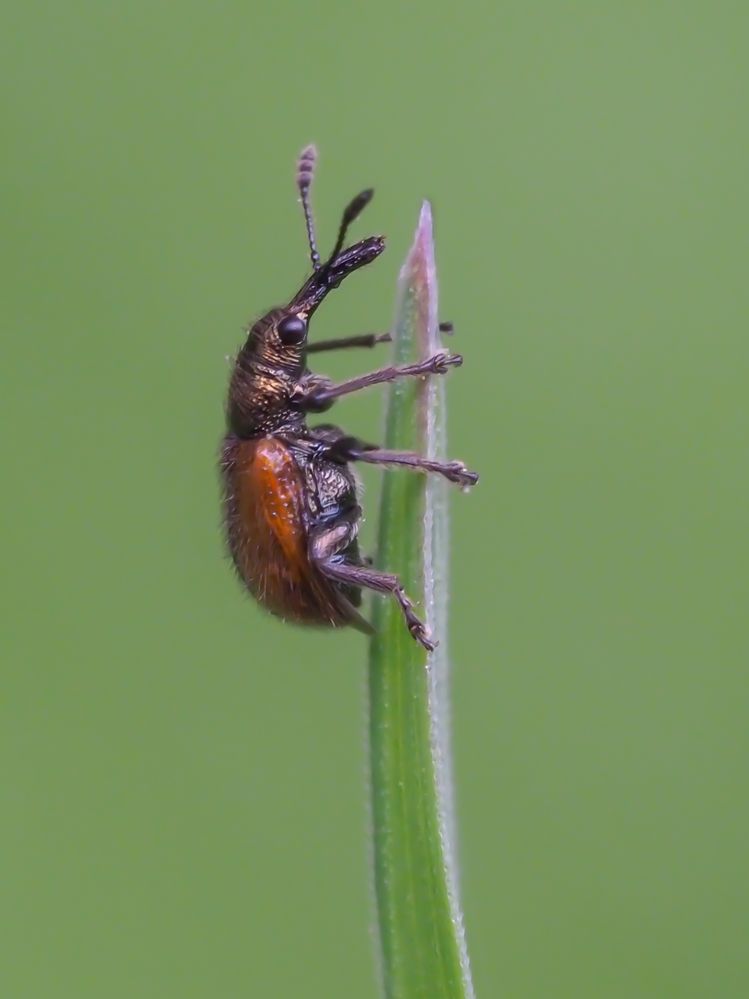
x,y
291,509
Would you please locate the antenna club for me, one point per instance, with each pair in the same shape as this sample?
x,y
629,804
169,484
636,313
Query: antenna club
x,y
305,171
351,212
306,163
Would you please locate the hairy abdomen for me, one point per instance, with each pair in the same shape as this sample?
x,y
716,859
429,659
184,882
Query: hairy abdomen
x,y
267,532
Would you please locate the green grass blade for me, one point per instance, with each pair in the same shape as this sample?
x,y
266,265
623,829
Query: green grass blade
x,y
422,943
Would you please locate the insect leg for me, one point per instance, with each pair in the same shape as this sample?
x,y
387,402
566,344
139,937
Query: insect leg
x,y
362,340
330,539
380,582
311,395
326,545
351,449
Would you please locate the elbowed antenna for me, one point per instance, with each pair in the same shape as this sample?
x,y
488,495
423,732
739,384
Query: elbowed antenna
x,y
305,172
351,212
340,263
330,275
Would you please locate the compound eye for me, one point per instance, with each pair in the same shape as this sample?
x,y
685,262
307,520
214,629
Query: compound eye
x,y
292,330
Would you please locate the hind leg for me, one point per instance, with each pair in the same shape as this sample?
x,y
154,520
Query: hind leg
x,y
381,582
327,545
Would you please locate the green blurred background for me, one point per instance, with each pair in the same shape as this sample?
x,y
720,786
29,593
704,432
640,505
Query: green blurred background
x,y
183,778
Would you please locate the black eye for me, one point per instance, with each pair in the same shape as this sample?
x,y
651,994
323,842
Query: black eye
x,y
292,330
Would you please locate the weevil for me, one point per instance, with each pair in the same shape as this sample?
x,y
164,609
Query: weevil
x,y
291,506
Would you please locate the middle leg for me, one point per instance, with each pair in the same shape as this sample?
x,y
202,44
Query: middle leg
x,y
345,449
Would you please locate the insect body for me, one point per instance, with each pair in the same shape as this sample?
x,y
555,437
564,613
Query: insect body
x,y
290,497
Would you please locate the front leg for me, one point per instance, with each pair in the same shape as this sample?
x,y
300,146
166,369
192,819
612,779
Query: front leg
x,y
315,393
362,340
